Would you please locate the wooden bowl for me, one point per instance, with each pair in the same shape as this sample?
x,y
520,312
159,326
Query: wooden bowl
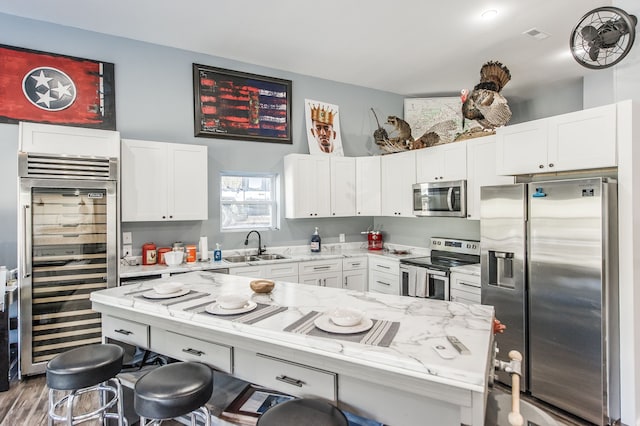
x,y
262,286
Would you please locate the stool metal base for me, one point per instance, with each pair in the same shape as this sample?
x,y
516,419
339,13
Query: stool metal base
x,y
202,412
62,410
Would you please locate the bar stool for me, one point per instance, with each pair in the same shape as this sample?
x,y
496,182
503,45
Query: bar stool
x,y
174,390
312,412
85,370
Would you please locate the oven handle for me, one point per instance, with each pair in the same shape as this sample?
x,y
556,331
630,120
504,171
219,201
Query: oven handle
x,y
450,199
436,272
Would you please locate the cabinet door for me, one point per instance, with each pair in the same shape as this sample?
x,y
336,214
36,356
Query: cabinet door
x,y
368,186
248,271
442,163
343,186
481,171
522,148
187,185
355,280
144,180
307,186
583,139
398,175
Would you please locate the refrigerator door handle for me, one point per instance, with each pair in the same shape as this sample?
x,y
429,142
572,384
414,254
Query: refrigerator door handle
x,y
450,199
26,235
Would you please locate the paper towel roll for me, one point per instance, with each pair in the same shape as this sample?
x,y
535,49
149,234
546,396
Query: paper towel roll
x,y
204,248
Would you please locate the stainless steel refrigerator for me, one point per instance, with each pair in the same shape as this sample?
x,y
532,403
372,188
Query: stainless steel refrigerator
x,y
549,266
66,249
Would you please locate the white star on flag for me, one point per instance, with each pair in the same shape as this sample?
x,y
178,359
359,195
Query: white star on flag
x,y
45,98
41,79
62,90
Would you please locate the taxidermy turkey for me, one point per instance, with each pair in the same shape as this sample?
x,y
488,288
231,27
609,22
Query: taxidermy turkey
x,y
485,104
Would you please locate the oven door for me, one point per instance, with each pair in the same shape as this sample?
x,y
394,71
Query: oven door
x,y
447,199
437,285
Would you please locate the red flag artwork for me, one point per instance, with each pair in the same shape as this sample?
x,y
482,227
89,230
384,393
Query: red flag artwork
x,y
56,89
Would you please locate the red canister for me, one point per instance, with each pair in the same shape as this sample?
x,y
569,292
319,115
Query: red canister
x,y
149,254
161,252
375,240
191,253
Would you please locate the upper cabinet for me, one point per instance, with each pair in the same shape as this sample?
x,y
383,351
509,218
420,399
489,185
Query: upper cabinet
x,y
576,141
368,188
307,180
481,171
442,163
343,186
398,176
163,181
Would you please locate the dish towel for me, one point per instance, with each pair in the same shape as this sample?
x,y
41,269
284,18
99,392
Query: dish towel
x,y
421,282
380,334
262,311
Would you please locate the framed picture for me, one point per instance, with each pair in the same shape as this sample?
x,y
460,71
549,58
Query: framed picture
x,y
236,105
323,128
56,89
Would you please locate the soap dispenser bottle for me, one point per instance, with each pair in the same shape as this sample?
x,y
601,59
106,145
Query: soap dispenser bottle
x,y
315,242
217,253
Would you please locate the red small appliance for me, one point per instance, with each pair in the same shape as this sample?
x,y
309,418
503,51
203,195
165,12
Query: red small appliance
x,y
374,238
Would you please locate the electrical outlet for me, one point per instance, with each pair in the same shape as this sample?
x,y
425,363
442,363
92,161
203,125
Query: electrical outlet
x,y
127,250
127,238
342,238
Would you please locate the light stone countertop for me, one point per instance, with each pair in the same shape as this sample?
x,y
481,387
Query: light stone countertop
x,y
423,324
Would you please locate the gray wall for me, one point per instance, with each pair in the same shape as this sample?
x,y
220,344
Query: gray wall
x,y
154,102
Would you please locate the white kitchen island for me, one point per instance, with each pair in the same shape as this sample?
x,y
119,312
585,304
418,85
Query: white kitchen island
x,y
404,383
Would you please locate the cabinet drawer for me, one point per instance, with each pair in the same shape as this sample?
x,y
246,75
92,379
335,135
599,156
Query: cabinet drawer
x,y
248,271
316,266
382,282
278,270
389,266
293,378
464,297
133,333
187,348
353,263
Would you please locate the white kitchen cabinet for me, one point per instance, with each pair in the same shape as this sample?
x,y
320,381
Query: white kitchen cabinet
x,y
481,171
251,271
398,177
384,275
465,288
274,271
163,181
579,140
354,273
343,186
368,186
324,273
307,180
442,163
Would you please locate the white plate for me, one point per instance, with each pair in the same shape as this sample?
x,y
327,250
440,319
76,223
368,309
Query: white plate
x,y
324,323
153,295
216,309
169,287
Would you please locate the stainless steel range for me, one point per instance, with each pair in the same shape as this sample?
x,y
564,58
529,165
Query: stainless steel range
x,y
429,276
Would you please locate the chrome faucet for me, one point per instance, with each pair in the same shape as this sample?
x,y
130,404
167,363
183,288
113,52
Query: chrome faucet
x,y
246,241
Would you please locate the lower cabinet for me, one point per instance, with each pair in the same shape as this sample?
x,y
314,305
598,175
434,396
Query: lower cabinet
x,y
187,348
133,333
324,273
465,288
286,376
274,271
384,276
354,273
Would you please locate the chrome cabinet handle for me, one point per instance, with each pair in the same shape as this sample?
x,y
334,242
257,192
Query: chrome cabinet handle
x,y
321,268
125,332
382,282
383,267
193,352
290,380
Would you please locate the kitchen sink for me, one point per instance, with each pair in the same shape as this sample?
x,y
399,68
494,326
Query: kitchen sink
x,y
271,256
241,258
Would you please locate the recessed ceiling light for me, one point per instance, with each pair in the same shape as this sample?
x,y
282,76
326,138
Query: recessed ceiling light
x,y
489,14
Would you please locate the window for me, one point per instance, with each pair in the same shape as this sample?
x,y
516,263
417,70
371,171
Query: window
x,y
248,201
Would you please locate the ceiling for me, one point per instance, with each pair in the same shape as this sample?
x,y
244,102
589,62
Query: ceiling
x,y
408,47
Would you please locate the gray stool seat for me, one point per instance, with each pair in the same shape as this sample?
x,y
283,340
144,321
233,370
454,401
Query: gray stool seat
x,y
173,390
310,412
85,366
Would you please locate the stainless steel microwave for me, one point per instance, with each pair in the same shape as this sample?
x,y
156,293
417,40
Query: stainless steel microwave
x,y
448,199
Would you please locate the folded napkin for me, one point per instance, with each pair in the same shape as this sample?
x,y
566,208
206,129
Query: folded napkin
x,y
262,311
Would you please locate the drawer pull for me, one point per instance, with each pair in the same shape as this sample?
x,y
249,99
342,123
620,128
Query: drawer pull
x,y
125,332
321,268
193,352
384,267
468,285
382,282
290,380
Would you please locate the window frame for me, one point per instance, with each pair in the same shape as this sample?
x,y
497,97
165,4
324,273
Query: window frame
x,y
274,202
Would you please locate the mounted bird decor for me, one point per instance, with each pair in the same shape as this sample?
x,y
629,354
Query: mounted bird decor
x,y
485,104
603,37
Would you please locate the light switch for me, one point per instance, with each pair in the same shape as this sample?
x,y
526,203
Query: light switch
x,y
127,238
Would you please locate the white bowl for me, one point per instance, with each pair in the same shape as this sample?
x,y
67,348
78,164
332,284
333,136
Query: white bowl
x,y
345,317
173,258
168,287
232,301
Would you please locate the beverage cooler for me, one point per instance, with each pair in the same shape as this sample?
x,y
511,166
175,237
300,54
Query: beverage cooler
x,y
67,249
